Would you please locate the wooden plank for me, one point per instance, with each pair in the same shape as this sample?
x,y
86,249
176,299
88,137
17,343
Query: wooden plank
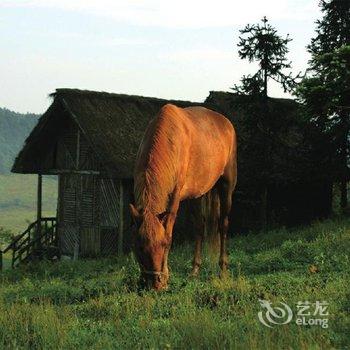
x,y
109,241
70,142
69,209
72,171
68,239
87,157
39,209
90,242
68,233
86,213
39,197
109,203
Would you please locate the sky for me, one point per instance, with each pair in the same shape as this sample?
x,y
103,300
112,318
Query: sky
x,y
169,49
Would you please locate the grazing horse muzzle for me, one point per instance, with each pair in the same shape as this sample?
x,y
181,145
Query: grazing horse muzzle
x,y
154,279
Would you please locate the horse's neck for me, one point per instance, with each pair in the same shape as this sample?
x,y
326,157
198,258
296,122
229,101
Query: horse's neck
x,y
156,200
158,167
156,190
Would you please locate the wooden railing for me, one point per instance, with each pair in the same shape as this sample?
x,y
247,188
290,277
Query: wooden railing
x,y
30,244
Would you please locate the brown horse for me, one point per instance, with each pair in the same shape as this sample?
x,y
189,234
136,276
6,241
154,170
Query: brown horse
x,y
184,153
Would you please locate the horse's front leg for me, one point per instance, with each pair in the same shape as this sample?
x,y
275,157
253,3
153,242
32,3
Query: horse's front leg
x,y
165,269
169,225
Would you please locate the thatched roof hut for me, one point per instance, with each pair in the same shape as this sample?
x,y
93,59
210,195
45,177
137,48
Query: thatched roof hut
x,y
90,140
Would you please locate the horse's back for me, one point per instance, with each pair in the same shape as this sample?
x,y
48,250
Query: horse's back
x,y
209,122
212,148
203,122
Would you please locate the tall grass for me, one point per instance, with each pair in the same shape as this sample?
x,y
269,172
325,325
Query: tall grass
x,y
96,303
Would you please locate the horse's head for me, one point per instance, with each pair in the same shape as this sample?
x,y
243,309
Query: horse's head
x,y
151,246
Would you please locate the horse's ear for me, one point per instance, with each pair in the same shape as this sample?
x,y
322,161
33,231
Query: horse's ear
x,y
135,213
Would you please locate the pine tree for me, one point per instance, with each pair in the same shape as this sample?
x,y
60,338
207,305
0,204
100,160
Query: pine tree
x,y
261,43
333,30
325,91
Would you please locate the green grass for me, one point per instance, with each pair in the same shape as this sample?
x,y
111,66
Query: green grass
x,y
18,200
95,304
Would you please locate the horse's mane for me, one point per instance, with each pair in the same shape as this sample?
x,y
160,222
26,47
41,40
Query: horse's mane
x,y
155,173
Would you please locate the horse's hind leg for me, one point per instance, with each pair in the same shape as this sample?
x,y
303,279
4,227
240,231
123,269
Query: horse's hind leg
x,y
225,189
197,260
198,221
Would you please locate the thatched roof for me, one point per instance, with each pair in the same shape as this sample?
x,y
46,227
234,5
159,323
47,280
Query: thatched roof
x,y
230,104
113,124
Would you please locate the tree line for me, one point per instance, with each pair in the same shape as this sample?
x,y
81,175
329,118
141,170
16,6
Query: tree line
x,y
323,96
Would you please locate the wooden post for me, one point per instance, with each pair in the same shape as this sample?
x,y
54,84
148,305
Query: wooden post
x,y
13,254
39,209
121,218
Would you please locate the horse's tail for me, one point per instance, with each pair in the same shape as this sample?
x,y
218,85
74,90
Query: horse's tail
x,y
211,213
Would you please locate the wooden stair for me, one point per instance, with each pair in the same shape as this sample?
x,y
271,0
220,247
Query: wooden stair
x,y
38,241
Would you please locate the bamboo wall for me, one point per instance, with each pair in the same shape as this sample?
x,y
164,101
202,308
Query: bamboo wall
x,y
91,209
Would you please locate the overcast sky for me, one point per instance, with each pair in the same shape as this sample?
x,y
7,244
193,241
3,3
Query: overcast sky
x,y
171,49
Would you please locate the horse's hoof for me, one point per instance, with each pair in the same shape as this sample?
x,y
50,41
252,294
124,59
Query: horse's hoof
x,y
194,273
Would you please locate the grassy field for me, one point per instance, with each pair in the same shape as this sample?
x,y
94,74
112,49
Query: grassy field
x,y
96,303
18,200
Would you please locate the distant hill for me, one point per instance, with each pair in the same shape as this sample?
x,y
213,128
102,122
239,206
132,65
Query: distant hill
x,y
18,191
14,128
